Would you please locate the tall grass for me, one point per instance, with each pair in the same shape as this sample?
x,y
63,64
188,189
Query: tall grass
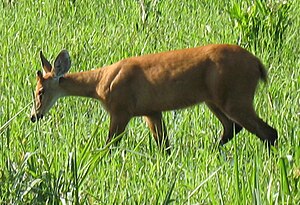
x,y
260,23
63,158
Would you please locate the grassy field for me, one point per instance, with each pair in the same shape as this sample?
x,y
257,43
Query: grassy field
x,y
63,158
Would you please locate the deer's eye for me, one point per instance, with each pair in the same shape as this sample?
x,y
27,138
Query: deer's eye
x,y
41,92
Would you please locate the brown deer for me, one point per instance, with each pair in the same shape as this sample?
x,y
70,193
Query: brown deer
x,y
225,77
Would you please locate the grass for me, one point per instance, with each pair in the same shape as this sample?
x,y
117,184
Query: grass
x,y
63,158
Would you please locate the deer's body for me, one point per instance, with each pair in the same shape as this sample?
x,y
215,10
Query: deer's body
x,y
223,76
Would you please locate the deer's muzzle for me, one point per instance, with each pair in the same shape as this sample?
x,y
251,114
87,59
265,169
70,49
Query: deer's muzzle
x,y
34,117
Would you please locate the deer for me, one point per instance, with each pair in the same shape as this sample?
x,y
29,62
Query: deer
x,y
222,76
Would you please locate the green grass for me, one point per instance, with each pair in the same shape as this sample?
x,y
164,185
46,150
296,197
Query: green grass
x,y
63,158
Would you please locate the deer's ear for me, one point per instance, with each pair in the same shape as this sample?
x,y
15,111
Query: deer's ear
x,y
47,67
62,64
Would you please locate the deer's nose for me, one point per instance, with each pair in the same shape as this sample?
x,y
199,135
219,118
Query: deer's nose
x,y
33,118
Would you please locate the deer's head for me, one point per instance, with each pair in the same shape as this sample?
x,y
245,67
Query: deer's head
x,y
47,88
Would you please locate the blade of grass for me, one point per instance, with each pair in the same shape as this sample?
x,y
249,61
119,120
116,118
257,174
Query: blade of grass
x,y
284,178
220,190
168,199
97,156
5,125
236,170
203,182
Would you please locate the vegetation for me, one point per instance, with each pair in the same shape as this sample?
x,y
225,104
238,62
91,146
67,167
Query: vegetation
x,y
63,158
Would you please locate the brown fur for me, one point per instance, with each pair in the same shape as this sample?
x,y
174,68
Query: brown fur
x,y
225,77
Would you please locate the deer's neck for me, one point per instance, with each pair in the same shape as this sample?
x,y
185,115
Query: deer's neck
x,y
81,84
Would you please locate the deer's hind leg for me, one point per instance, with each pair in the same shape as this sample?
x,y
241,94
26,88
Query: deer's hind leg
x,y
245,115
229,127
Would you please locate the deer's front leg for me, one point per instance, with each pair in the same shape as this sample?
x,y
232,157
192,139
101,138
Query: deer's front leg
x,y
159,131
118,123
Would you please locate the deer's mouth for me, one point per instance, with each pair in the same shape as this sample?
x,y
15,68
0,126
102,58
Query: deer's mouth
x,y
36,117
